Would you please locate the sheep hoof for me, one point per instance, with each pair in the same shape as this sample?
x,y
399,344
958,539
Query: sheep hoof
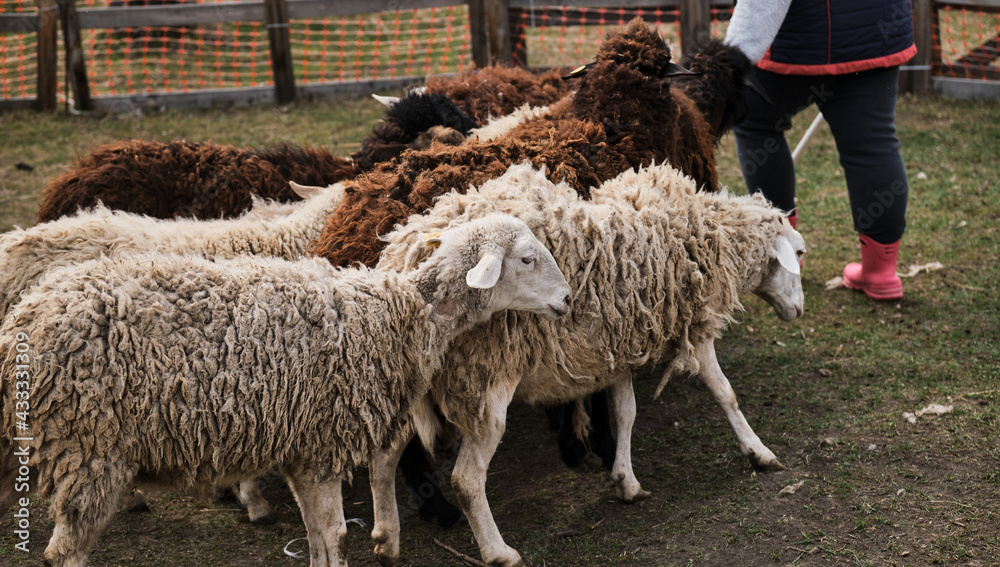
x,y
509,558
265,520
637,497
631,495
137,503
768,466
386,559
765,463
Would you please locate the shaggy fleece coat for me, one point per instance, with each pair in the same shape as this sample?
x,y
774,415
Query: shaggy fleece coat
x,y
496,90
178,370
655,268
27,255
186,179
623,116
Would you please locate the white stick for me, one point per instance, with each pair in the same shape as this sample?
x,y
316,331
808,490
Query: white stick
x,y
805,137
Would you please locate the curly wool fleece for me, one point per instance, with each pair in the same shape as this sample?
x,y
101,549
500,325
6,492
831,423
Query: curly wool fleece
x,y
655,268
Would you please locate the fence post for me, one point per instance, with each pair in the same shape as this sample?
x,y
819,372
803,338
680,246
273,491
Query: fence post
x,y
696,24
281,50
477,28
76,67
498,29
918,81
48,56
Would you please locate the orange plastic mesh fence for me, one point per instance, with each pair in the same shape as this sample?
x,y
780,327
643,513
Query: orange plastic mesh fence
x,y
402,43
567,36
966,42
393,44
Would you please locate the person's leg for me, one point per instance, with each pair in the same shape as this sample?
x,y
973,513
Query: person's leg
x,y
762,150
861,112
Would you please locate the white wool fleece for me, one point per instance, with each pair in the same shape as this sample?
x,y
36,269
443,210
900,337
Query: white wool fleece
x,y
754,25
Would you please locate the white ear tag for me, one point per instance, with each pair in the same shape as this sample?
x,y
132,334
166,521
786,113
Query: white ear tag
x,y
486,274
786,255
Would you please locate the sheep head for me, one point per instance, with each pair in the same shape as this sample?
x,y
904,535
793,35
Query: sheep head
x,y
781,286
491,264
723,73
630,62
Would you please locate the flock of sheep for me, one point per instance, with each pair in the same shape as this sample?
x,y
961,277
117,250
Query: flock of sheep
x,y
201,314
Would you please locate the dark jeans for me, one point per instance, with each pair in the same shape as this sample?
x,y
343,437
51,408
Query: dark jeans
x,y
861,111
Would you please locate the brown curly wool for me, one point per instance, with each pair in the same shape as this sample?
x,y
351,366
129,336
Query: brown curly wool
x,y
497,90
186,179
623,116
719,88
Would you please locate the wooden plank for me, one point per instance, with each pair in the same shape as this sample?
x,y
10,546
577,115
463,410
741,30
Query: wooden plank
x,y
76,67
696,25
48,54
17,103
281,50
171,15
579,17
18,23
477,29
517,23
208,98
497,16
967,88
299,9
609,4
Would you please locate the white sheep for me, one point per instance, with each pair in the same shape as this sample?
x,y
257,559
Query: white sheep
x,y
177,370
269,229
656,269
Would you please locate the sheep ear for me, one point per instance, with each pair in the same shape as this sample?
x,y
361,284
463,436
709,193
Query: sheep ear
x,y
306,191
486,274
786,255
389,101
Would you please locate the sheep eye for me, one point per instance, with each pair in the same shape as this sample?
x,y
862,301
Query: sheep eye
x,y
801,252
527,260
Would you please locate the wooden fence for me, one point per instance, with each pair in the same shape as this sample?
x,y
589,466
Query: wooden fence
x,y
497,30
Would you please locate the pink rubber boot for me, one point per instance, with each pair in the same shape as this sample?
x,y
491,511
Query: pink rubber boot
x,y
794,220
876,274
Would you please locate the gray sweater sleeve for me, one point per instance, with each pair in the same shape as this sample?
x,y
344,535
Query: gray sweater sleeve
x,y
754,25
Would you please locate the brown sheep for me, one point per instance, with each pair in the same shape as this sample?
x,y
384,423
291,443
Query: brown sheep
x,y
719,85
186,179
623,116
210,181
495,91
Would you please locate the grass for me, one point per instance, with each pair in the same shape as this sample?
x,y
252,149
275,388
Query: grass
x,y
826,392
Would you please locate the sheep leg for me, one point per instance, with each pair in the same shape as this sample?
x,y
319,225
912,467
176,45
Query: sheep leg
x,y
322,510
385,532
248,493
712,376
469,481
83,507
623,398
